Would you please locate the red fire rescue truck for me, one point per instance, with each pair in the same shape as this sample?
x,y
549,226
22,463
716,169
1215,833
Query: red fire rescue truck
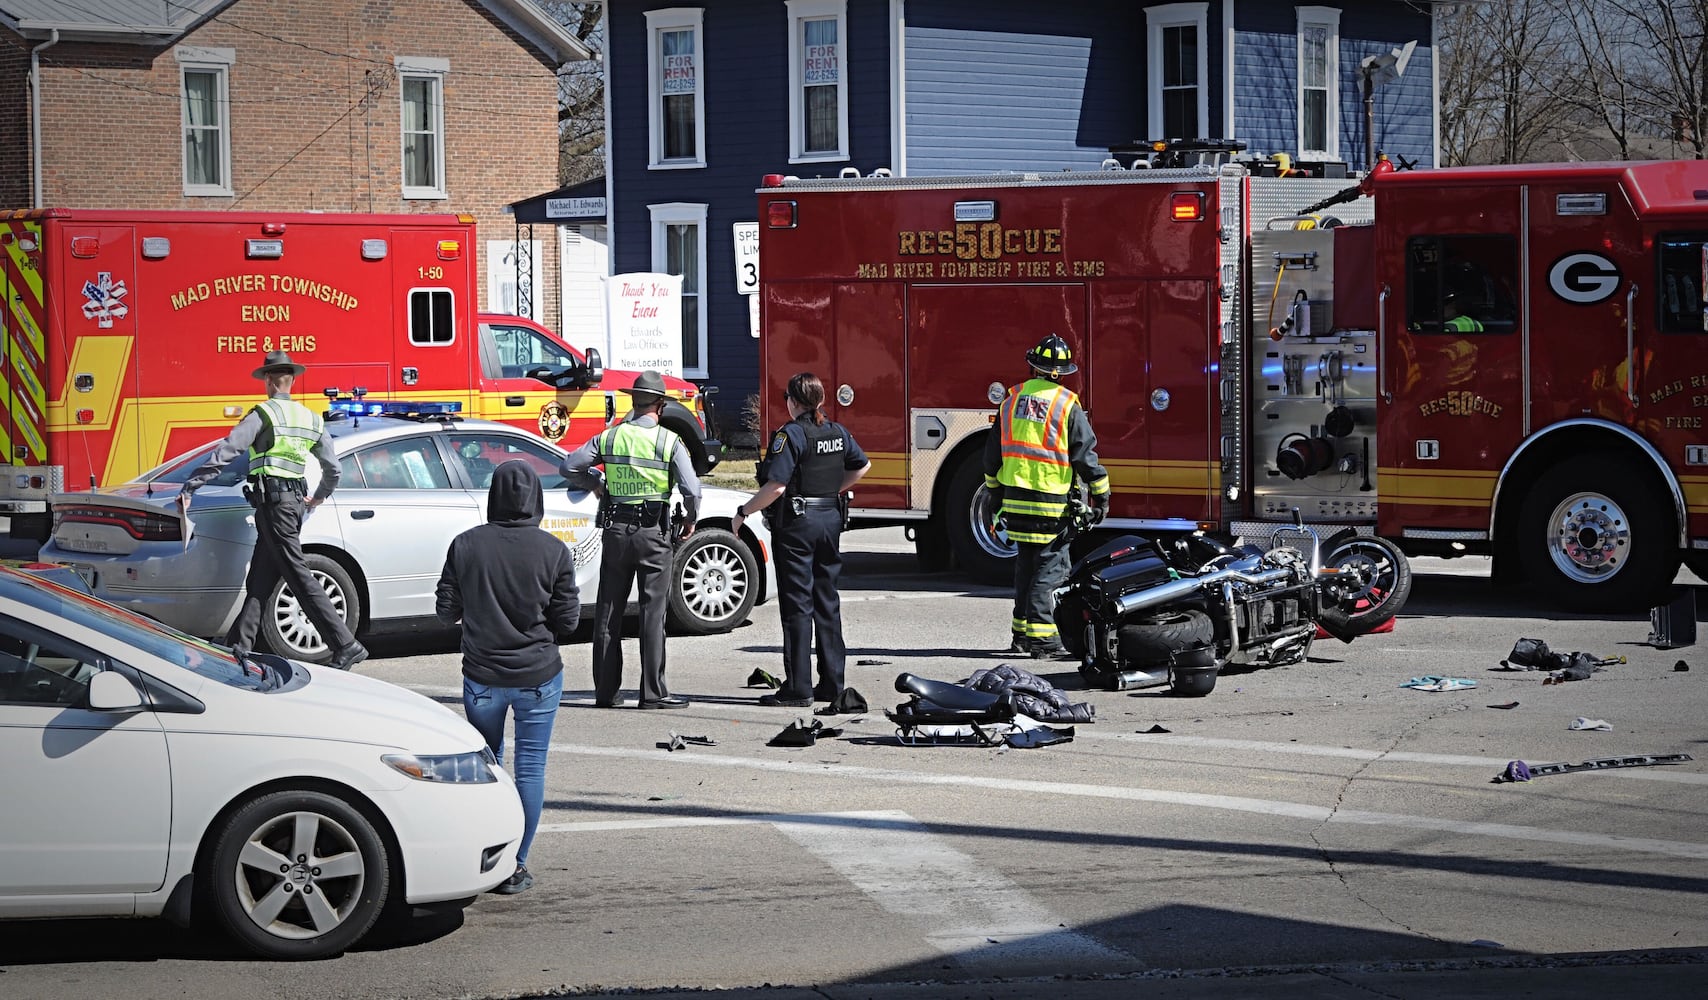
x,y
1505,360
129,337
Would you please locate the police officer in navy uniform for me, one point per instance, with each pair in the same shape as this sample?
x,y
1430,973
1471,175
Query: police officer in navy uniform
x,y
281,435
810,464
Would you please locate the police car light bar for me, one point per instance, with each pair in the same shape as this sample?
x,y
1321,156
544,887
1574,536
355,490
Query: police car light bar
x,y
406,408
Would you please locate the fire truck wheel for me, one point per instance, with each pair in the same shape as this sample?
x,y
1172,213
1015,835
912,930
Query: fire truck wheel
x,y
968,510
1388,581
715,580
1596,536
287,629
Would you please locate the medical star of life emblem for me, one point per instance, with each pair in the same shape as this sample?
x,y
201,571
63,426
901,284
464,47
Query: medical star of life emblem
x,y
104,300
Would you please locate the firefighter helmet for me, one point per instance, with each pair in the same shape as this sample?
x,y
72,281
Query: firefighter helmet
x,y
1052,357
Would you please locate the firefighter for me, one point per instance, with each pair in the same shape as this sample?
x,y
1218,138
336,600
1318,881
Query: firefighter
x,y
1453,316
811,465
644,462
280,435
1042,440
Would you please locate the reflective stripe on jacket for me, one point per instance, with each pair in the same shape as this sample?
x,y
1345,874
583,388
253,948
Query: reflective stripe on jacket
x,y
295,429
637,462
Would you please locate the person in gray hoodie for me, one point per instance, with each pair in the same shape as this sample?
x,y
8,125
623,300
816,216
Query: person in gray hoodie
x,y
512,586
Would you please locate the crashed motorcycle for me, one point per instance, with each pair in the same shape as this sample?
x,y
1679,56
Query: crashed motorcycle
x,y
1142,612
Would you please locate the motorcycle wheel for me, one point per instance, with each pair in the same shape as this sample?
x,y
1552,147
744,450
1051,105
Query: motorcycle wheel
x,y
1151,641
1386,593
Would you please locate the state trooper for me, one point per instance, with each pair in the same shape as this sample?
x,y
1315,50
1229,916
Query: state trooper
x,y
1043,439
644,463
808,469
280,435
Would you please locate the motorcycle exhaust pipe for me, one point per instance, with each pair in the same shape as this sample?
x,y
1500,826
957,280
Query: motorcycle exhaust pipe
x,y
1178,589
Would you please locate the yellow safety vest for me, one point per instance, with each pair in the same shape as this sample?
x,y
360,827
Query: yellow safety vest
x,y
1033,424
296,429
637,462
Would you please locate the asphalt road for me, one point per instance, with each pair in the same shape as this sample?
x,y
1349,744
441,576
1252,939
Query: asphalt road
x,y
1308,830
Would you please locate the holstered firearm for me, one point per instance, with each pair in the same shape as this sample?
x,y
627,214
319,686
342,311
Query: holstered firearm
x,y
844,503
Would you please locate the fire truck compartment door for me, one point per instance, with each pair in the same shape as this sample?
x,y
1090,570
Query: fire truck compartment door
x,y
1153,398
1452,335
105,393
966,341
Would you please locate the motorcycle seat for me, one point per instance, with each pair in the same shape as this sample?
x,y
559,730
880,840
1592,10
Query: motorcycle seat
x,y
948,697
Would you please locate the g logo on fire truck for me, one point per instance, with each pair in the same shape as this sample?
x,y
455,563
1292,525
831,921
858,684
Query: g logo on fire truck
x,y
1583,278
554,421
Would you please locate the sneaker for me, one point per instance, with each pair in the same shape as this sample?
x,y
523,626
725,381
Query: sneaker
x,y
521,881
348,656
783,701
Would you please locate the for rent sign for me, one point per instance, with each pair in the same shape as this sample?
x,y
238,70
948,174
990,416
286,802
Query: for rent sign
x,y
645,322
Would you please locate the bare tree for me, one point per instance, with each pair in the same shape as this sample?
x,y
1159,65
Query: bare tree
x,y
1504,69
581,95
1672,84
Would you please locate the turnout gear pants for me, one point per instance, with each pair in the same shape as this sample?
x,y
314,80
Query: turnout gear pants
x,y
635,556
1038,571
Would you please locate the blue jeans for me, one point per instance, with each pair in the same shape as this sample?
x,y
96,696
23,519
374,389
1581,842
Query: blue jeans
x,y
536,711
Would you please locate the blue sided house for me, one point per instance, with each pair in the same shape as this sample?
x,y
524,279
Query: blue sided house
x,y
704,100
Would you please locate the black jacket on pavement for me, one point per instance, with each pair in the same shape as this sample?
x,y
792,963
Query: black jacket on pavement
x,y
512,586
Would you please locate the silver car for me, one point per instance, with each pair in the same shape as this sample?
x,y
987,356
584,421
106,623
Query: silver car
x,y
407,487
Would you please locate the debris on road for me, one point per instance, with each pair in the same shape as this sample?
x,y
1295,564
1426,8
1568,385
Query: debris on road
x,y
1154,729
763,678
1680,667
1534,654
1519,771
1434,683
1510,704
1581,724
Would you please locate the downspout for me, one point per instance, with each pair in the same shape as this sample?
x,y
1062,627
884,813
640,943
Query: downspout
x,y
36,112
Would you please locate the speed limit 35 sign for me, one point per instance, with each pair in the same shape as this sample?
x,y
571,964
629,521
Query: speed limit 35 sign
x,y
746,257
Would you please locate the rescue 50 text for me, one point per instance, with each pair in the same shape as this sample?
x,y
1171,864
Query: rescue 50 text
x,y
979,241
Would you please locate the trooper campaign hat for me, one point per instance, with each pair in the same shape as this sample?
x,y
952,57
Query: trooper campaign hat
x,y
648,388
278,363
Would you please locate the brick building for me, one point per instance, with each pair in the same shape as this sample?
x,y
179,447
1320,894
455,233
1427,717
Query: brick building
x,y
295,105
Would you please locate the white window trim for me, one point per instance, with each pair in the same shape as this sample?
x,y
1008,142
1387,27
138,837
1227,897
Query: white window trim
x,y
678,213
201,59
1177,15
435,70
817,10
1325,17
672,19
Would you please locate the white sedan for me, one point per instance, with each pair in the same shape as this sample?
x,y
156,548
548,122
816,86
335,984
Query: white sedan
x,y
145,769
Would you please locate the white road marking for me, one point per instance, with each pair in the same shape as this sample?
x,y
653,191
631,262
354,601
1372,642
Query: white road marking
x,y
965,909
1667,773
971,911
1659,773
1199,800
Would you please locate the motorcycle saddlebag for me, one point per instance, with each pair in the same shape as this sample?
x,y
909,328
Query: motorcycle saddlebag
x,y
1130,563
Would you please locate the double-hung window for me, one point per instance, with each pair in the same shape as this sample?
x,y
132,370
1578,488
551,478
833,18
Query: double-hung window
x,y
421,82
1319,82
676,87
206,88
1178,73
818,80
679,247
